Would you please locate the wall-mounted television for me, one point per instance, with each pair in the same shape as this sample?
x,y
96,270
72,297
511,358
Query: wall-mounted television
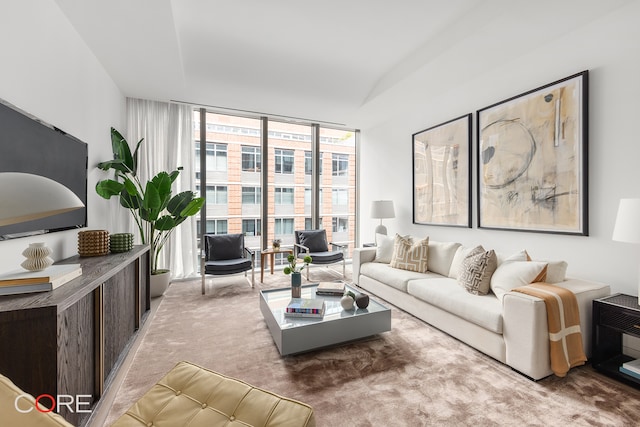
x,y
29,145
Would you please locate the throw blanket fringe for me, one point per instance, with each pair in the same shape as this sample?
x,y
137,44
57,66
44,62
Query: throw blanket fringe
x,y
563,317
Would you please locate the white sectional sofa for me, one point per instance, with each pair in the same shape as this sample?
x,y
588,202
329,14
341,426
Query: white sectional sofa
x,y
513,331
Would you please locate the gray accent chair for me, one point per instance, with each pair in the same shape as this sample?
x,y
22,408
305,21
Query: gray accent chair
x,y
226,254
314,243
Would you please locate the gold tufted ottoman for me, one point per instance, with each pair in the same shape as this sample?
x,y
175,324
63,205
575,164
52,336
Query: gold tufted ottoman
x,y
193,396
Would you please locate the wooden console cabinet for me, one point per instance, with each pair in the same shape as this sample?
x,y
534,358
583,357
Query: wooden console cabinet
x,y
72,340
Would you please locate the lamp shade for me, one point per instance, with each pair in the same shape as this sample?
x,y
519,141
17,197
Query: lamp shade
x,y
627,228
382,209
26,197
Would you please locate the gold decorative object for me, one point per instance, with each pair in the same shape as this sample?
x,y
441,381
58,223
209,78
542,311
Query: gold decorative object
x,y
93,242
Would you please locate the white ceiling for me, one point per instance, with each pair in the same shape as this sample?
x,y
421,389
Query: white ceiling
x,y
321,60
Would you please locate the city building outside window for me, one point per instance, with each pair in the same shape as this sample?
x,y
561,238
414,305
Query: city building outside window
x,y
251,159
339,164
215,226
283,226
308,163
284,161
251,195
251,227
340,225
284,196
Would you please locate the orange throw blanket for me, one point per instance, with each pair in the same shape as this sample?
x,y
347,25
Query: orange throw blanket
x,y
563,318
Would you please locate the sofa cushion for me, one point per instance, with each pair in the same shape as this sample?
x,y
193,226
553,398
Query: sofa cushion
x,y
440,256
384,248
476,271
393,277
513,274
446,294
408,255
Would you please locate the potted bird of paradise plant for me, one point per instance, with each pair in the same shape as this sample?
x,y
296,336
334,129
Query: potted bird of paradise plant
x,y
156,211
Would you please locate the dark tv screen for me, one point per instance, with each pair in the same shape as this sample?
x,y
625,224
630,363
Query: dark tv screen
x,y
28,145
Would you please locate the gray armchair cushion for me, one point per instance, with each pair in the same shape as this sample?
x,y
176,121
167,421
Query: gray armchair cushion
x,y
224,246
315,240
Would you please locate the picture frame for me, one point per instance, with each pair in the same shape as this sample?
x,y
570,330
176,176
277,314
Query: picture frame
x,y
532,160
442,174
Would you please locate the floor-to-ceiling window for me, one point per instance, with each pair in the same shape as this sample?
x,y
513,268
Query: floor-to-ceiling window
x,y
306,178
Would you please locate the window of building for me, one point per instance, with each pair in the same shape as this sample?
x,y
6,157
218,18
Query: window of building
x,y
217,194
251,159
340,196
215,226
339,164
308,224
251,227
284,161
251,195
283,226
216,156
308,163
339,225
284,196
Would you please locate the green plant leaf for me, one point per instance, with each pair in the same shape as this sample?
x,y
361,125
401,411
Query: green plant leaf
x,y
165,223
108,188
121,149
130,186
129,201
134,171
112,164
152,201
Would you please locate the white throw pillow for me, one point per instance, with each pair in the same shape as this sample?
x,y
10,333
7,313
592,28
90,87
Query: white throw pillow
x,y
458,258
556,271
513,274
440,256
384,248
518,256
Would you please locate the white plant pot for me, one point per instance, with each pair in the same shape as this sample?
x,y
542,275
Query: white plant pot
x,y
159,283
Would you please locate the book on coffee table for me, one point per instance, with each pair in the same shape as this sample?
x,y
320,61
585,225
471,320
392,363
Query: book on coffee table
x,y
330,288
305,307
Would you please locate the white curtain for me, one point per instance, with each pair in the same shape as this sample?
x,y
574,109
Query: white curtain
x,y
167,130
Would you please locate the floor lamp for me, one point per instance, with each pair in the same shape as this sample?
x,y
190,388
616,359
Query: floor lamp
x,y
381,209
627,228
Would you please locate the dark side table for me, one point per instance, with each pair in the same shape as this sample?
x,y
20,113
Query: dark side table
x,y
613,316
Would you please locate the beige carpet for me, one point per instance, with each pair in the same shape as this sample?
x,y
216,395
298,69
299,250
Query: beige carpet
x,y
414,375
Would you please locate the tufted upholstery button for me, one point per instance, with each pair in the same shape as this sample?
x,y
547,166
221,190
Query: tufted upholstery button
x,y
262,407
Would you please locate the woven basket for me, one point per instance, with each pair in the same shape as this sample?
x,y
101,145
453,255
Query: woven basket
x,y
93,242
121,242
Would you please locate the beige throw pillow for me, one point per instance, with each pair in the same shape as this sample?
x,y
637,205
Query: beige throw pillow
x,y
476,271
410,256
513,274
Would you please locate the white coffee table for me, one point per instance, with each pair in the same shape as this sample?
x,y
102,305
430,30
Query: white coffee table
x,y
299,334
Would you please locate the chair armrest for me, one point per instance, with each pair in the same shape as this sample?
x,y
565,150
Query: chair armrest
x,y
252,253
298,245
340,245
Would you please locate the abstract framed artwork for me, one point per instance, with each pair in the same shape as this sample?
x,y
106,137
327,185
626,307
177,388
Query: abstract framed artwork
x,y
442,174
532,160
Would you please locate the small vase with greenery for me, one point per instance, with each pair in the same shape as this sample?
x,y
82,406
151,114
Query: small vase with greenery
x,y
295,270
156,212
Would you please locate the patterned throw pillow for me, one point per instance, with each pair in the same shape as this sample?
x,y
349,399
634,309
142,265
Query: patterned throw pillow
x,y
410,256
476,271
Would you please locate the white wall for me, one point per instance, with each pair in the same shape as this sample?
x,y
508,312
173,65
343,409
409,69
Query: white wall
x,y
496,63
49,72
